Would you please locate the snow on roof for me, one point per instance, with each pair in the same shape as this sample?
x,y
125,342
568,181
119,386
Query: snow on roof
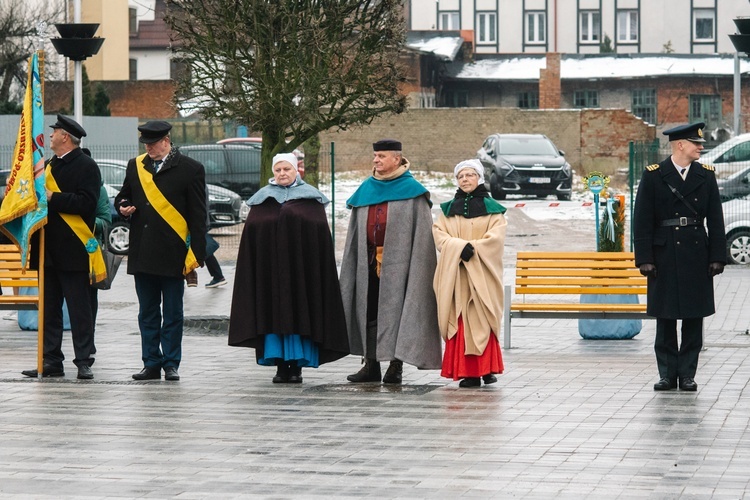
x,y
443,45
582,67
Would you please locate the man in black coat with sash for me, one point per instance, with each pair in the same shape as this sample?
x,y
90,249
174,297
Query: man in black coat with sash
x,y
680,245
67,271
164,196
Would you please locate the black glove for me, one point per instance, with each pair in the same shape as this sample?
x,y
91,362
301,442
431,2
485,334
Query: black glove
x,y
467,253
715,268
648,270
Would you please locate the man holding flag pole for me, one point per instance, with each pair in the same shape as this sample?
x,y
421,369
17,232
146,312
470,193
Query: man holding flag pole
x,y
24,209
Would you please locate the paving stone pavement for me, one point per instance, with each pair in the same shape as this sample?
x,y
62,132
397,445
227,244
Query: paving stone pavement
x,y
570,418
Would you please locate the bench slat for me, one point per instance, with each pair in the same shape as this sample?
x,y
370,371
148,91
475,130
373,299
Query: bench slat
x,y
582,281
576,255
605,273
577,290
579,307
576,264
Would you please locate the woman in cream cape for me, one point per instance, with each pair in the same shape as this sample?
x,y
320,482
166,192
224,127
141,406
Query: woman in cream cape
x,y
470,236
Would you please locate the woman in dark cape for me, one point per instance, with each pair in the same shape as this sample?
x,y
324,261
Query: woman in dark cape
x,y
287,302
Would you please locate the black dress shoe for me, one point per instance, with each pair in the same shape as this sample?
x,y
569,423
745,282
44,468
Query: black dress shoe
x,y
148,373
49,371
85,373
489,379
394,372
665,384
170,373
688,384
295,373
470,382
370,372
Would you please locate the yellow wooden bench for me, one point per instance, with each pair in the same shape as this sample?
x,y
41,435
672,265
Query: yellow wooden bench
x,y
544,278
11,275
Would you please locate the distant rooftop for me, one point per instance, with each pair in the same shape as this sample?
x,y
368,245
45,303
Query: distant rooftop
x,y
597,66
443,44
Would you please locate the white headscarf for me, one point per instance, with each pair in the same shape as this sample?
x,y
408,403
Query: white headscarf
x,y
473,163
285,157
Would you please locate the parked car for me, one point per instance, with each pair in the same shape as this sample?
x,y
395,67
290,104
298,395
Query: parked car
x,y
729,157
230,166
224,206
736,185
737,226
258,141
528,164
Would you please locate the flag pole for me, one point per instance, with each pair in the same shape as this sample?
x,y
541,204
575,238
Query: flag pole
x,y
40,271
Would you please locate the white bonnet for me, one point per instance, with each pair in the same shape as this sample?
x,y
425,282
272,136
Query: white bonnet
x,y
290,157
473,163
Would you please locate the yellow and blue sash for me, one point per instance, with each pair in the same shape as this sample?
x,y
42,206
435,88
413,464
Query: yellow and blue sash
x,y
97,269
165,209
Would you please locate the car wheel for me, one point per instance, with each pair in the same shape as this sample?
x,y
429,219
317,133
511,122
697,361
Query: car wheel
x,y
563,197
118,238
495,190
738,247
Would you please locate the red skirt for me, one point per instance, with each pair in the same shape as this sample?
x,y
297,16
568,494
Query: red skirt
x,y
457,365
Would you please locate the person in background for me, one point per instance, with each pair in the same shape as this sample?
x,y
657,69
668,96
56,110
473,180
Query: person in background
x,y
387,271
287,302
164,196
212,264
468,284
680,245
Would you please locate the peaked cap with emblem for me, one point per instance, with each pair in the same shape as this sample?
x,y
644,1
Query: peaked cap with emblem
x,y
153,131
692,132
70,126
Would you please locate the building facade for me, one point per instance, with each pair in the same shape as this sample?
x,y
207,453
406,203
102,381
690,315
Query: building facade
x,y
582,26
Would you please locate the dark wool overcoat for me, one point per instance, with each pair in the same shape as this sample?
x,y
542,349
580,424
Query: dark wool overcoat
x,y
155,248
79,179
683,287
286,281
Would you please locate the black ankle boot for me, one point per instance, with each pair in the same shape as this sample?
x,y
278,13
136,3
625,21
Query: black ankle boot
x,y
282,373
370,372
295,373
394,372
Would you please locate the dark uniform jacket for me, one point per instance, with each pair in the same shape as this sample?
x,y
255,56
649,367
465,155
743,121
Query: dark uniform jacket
x,y
155,248
683,287
79,179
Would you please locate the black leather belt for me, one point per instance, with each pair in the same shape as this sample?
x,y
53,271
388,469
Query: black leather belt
x,y
682,221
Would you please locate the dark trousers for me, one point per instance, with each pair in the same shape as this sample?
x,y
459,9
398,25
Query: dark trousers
x,y
161,341
677,363
213,267
73,287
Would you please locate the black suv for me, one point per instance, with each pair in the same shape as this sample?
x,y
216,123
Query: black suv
x,y
233,167
527,164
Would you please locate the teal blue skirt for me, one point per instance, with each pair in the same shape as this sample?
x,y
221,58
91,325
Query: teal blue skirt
x,y
289,348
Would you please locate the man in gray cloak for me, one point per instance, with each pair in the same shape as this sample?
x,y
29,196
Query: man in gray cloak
x,y
387,271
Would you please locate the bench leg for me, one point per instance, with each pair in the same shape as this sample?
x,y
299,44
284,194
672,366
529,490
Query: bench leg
x,y
506,317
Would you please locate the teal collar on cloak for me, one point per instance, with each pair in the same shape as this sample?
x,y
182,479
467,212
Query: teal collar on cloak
x,y
299,190
374,192
469,205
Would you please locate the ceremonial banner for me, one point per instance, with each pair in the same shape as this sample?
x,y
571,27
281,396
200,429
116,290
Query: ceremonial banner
x,y
24,209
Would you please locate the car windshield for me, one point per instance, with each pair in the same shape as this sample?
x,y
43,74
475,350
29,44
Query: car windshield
x,y
535,146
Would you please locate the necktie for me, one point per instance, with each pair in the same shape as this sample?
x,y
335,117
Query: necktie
x,y
157,166
682,172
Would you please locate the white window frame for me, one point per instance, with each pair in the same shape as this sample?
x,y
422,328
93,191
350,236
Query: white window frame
x,y
536,34
592,29
450,19
704,14
486,28
627,26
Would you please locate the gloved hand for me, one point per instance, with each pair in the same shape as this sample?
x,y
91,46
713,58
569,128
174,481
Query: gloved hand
x,y
648,270
467,253
715,268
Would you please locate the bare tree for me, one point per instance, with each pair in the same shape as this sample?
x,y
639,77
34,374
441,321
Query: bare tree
x,y
19,21
291,68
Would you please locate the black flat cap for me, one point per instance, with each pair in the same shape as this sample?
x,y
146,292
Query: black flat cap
x,y
153,131
692,132
70,126
386,145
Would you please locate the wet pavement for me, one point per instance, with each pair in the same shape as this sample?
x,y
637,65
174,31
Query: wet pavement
x,y
570,418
